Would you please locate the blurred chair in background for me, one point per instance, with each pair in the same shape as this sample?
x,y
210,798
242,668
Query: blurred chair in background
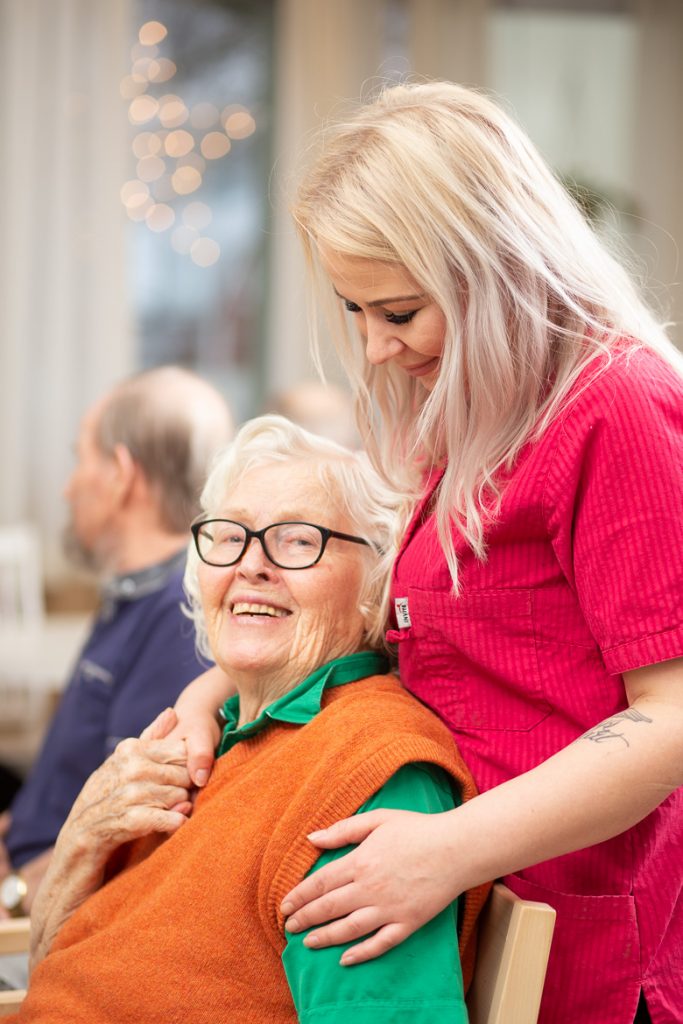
x,y
21,580
21,609
141,459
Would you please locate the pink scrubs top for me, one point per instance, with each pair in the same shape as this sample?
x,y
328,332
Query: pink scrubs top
x,y
583,581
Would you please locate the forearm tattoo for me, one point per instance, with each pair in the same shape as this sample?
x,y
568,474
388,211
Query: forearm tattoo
x,y
609,729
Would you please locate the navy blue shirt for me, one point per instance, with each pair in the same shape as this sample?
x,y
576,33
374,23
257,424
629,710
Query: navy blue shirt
x,y
138,657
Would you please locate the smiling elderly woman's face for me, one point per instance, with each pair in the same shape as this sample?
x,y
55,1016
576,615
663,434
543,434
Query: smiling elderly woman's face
x,y
283,622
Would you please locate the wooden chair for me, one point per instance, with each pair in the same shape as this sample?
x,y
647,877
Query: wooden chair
x,y
512,957
14,938
514,943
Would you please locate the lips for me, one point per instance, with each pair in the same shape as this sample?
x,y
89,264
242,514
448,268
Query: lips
x,y
257,608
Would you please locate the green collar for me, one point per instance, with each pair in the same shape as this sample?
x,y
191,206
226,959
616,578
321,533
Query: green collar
x,y
302,703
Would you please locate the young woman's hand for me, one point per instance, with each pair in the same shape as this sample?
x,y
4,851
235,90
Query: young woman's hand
x,y
399,878
194,721
409,866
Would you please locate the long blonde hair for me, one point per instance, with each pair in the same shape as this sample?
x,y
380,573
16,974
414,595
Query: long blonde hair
x,y
438,179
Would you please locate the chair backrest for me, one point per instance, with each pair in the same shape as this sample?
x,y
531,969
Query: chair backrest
x,y
14,938
21,577
512,956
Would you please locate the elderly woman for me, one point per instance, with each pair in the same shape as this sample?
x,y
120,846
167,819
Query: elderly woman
x,y
287,583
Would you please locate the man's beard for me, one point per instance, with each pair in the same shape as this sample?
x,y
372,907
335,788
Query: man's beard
x,y
76,551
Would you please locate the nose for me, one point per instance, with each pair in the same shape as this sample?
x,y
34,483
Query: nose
x,y
254,561
381,344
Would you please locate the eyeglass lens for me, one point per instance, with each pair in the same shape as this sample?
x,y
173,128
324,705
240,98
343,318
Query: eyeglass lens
x,y
291,545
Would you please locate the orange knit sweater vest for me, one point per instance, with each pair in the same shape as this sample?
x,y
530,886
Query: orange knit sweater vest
x,y
193,932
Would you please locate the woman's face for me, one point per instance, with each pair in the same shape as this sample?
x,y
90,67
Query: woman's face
x,y
282,624
396,320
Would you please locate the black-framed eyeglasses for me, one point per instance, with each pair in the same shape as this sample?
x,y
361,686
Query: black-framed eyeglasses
x,y
289,545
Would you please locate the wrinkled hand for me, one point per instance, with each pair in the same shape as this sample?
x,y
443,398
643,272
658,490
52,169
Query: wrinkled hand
x,y
143,787
400,877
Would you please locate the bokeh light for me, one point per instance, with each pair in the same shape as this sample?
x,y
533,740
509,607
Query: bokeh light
x,y
139,213
215,145
150,168
205,252
152,32
146,144
163,70
238,122
186,180
179,143
159,217
143,66
142,109
134,193
172,111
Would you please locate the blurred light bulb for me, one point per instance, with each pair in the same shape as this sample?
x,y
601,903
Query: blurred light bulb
x,y
163,69
159,217
152,32
146,144
150,168
238,122
172,111
186,180
204,252
178,143
142,109
134,192
215,145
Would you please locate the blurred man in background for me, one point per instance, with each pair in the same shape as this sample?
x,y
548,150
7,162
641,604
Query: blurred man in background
x,y
141,460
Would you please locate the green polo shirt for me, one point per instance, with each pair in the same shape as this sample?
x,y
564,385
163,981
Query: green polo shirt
x,y
417,982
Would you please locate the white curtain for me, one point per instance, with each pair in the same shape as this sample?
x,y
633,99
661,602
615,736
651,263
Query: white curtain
x,y
64,325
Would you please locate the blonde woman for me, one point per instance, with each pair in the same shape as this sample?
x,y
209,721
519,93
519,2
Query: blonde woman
x,y
509,375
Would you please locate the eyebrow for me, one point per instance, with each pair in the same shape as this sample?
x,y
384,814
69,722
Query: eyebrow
x,y
240,514
384,302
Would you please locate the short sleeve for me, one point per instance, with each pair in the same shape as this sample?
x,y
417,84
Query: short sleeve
x,y
417,982
616,500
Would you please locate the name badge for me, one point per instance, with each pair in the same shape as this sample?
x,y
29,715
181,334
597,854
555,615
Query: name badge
x,y
402,613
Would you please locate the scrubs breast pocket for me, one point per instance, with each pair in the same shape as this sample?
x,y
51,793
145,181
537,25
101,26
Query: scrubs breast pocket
x,y
476,656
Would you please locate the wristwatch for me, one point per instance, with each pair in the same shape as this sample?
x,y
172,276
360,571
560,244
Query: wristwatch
x,y
13,889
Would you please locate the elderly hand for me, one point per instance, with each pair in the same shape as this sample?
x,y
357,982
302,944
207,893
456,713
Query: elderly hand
x,y
143,787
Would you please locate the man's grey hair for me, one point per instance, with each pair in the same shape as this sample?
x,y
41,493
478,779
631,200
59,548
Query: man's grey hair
x,y
172,422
